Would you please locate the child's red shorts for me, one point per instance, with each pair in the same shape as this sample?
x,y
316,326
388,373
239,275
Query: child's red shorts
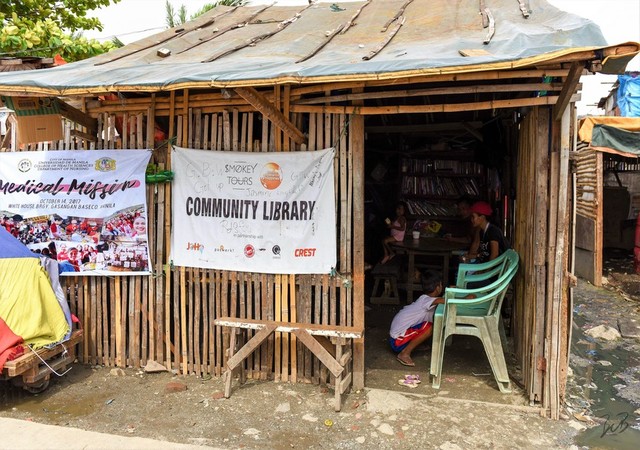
x,y
398,344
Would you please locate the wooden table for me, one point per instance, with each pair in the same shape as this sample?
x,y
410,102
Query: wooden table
x,y
426,247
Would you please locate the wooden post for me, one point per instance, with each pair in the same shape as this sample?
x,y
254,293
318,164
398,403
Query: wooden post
x,y
356,144
599,243
556,362
540,205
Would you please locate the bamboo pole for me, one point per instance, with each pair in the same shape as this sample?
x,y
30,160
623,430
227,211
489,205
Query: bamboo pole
x,y
119,338
599,220
294,319
167,232
183,321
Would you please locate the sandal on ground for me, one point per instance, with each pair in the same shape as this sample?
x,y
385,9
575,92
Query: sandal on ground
x,y
413,378
408,383
405,363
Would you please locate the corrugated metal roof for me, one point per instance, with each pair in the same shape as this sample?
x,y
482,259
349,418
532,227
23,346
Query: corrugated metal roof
x,y
265,45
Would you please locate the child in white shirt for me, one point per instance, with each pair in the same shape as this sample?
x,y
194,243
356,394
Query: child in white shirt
x,y
413,324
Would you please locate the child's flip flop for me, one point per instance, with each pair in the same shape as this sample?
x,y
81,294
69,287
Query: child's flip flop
x,y
408,383
413,378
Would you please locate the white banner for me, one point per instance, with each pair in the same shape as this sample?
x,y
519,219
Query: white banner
x,y
254,212
85,208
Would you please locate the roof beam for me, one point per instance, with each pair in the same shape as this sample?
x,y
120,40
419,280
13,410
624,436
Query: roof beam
x,y
403,93
569,88
421,109
78,116
423,128
470,76
259,102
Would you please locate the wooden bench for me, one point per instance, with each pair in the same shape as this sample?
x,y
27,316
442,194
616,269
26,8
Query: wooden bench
x,y
35,367
326,342
385,283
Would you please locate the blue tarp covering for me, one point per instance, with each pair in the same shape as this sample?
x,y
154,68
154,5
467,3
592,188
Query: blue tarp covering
x,y
629,95
10,247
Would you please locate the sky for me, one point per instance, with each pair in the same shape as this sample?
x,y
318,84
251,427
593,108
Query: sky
x,y
619,21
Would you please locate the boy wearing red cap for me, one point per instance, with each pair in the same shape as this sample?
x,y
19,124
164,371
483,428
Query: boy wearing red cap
x,y
492,241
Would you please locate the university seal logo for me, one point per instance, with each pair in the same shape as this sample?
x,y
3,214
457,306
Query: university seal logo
x,y
105,164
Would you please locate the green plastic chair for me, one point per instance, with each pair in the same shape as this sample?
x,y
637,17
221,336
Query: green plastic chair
x,y
478,317
471,273
478,274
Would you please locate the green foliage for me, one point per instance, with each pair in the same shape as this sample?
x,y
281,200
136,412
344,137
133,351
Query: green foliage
x,y
69,14
170,12
174,19
43,28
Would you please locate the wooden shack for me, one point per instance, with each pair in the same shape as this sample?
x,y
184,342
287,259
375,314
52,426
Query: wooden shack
x,y
354,76
607,193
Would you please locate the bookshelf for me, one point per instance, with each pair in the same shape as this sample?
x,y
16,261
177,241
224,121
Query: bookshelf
x,y
430,187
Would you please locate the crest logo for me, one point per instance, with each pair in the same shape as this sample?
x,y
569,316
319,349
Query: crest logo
x,y
24,165
105,164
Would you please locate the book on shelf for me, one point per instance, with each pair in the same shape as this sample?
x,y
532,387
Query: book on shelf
x,y
435,166
440,186
426,208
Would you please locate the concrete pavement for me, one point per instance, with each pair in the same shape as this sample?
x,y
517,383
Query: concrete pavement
x,y
25,435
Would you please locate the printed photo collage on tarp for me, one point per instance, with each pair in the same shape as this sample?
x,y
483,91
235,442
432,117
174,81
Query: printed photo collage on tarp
x,y
87,210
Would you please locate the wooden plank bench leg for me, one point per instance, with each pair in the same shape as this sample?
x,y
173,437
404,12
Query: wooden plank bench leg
x,y
335,364
248,348
338,380
228,375
319,351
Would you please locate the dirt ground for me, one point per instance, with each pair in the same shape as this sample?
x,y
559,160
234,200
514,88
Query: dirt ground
x,y
264,414
620,275
468,411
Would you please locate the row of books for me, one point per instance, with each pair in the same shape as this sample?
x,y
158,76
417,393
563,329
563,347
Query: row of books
x,y
425,208
440,165
440,186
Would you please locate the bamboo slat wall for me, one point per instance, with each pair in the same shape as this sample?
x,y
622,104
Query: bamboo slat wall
x,y
168,317
589,186
541,290
587,175
530,243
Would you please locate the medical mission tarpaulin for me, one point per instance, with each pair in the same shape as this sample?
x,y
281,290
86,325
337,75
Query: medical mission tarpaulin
x,y
254,212
86,209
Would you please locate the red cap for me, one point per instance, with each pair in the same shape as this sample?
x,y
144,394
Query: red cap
x,y
481,208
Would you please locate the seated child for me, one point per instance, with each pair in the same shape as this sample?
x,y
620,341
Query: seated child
x,y
413,324
397,228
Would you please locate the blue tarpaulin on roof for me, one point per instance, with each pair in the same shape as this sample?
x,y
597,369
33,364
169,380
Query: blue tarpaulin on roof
x,y
629,95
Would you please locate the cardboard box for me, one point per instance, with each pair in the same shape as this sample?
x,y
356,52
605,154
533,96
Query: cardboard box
x,y
32,129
